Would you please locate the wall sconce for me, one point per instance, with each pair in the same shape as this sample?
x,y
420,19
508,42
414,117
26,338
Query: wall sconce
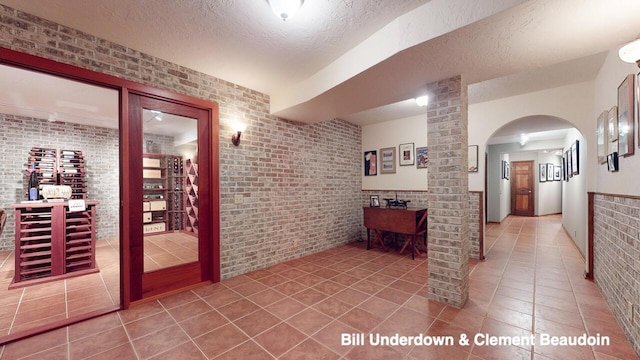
x,y
238,128
422,101
630,53
285,9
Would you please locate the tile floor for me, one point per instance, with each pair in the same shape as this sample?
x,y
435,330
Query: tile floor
x,y
170,249
35,305
531,283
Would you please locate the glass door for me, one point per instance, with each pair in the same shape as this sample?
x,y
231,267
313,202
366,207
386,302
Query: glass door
x,y
169,194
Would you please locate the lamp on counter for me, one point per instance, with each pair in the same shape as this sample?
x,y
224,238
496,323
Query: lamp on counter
x,y
238,128
422,101
631,52
285,9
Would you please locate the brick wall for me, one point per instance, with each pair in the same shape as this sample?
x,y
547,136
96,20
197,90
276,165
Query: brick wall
x,y
616,265
448,194
300,182
419,199
99,148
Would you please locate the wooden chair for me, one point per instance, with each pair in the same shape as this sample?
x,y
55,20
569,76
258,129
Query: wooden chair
x,y
421,230
3,220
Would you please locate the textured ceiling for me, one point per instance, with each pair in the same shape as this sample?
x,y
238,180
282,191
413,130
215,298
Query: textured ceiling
x,y
361,60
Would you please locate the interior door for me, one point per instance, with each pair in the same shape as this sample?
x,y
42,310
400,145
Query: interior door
x,y
170,181
522,188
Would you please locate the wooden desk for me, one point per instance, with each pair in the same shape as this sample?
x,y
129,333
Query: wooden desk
x,y
410,222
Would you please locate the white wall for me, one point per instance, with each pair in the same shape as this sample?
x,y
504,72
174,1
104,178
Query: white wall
x,y
392,134
574,194
609,78
505,190
572,103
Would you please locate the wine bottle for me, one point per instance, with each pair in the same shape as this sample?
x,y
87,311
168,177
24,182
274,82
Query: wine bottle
x,y
33,184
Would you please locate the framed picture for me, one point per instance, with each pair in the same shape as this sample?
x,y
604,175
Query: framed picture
x,y
370,163
612,162
626,116
557,173
549,172
505,170
542,172
568,155
374,201
575,158
637,107
388,160
612,124
564,167
602,137
406,154
422,157
473,158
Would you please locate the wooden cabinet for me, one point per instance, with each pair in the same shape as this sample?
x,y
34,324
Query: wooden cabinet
x,y
52,242
163,207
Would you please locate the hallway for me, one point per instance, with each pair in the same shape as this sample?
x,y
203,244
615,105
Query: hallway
x,y
531,283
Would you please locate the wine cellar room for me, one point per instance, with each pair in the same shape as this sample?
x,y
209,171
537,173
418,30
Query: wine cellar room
x,y
59,247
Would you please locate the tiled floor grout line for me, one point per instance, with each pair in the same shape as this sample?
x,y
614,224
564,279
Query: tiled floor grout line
x,y
15,314
133,348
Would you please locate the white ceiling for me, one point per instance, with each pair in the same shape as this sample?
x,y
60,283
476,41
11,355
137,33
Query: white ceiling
x,y
361,60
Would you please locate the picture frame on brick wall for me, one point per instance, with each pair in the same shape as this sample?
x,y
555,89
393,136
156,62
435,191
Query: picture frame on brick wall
x,y
374,201
388,160
406,154
422,157
370,163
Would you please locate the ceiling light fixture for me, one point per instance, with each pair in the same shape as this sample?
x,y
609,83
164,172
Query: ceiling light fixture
x,y
523,139
285,9
631,52
422,101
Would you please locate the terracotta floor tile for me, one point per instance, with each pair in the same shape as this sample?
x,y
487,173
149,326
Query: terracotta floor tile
x,y
309,297
462,318
511,317
310,280
150,324
438,353
222,297
396,296
159,341
525,307
554,303
379,306
291,287
97,343
220,340
266,297
564,317
333,307
310,349
140,311
35,344
309,321
124,351
501,352
57,353
246,350
329,336
372,353
203,323
238,309
280,339
329,287
285,308
187,350
351,296
253,287
178,299
185,311
360,319
424,306
406,323
93,326
257,322
345,279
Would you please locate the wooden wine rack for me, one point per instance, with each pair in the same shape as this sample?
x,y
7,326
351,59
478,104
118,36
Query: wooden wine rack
x,y
52,242
163,193
69,164
191,190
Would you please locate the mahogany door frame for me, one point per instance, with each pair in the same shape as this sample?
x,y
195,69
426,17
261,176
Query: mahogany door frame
x,y
532,206
123,86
